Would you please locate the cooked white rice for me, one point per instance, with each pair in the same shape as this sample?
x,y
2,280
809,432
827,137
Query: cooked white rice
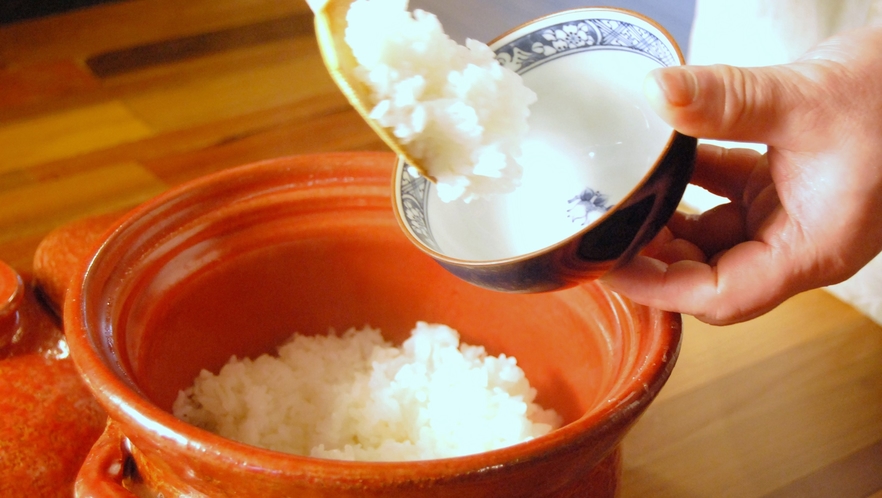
x,y
454,107
355,396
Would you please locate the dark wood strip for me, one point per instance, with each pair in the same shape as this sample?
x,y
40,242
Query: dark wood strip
x,y
19,10
140,57
25,85
858,475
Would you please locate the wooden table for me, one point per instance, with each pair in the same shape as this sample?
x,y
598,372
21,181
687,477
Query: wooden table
x,y
103,108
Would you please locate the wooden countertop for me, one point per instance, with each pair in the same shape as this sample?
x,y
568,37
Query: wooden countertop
x,y
103,108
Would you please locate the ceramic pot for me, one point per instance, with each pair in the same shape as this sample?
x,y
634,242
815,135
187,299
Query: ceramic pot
x,y
236,262
49,417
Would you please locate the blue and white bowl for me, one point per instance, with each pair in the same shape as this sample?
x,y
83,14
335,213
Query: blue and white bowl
x,y
602,172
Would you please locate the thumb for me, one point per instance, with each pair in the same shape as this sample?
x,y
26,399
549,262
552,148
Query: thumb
x,y
726,102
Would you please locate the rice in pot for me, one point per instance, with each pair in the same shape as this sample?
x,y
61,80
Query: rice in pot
x,y
356,396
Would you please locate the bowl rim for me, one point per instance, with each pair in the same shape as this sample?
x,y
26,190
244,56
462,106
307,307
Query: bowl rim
x,y
143,419
401,164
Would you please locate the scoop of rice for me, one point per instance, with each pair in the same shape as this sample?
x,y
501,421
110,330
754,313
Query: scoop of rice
x,y
454,107
355,396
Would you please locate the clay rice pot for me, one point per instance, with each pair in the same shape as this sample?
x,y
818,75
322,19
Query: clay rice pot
x,y
236,262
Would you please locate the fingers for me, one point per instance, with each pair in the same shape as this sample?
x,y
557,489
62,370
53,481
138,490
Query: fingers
x,y
712,231
726,102
723,171
667,248
775,238
745,282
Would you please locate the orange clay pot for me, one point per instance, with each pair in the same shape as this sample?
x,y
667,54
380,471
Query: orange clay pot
x,y
236,262
48,419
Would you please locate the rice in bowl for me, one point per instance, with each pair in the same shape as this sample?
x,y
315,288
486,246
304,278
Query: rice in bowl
x,y
454,107
355,396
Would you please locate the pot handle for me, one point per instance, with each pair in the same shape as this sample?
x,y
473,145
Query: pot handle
x,y
58,256
102,473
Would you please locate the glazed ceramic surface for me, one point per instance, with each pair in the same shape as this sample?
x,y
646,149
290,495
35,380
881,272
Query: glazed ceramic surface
x,y
237,262
49,417
594,150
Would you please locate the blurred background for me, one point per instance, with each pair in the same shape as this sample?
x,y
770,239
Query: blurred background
x,y
487,19
105,104
461,19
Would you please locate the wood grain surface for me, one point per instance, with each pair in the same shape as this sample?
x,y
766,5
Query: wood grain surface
x,y
105,107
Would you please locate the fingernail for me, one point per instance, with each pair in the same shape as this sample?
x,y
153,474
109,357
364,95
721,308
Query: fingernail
x,y
678,86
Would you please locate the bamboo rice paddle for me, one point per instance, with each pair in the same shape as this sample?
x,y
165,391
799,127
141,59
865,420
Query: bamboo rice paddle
x,y
330,30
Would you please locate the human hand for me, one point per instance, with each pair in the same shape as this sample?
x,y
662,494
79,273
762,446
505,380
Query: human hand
x,y
805,215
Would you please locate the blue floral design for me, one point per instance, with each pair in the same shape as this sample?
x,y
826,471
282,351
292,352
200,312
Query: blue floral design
x,y
414,200
534,48
585,203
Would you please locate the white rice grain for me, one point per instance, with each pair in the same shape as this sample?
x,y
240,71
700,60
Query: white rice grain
x,y
452,106
357,397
